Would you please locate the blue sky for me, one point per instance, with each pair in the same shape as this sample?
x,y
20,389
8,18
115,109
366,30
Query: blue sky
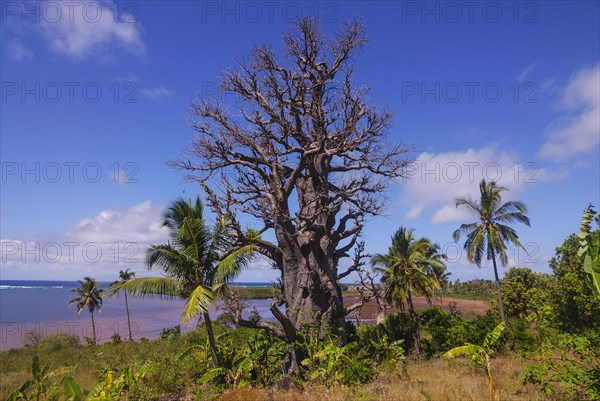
x,y
94,102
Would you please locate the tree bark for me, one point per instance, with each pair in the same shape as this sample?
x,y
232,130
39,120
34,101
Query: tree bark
x,y
415,323
498,288
93,327
128,319
211,339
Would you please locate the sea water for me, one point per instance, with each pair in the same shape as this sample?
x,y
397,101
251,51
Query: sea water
x,y
41,307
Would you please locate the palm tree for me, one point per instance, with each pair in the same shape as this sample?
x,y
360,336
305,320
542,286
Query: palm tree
x,y
198,263
89,295
124,276
439,271
490,235
409,267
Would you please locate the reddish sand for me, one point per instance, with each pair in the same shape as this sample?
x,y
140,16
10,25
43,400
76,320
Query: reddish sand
x,y
369,310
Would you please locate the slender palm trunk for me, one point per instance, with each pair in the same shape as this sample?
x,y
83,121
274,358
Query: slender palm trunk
x,y
93,327
128,319
500,303
211,339
415,324
490,378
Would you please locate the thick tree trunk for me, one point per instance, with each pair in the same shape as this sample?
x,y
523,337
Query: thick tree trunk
x,y
128,319
415,323
211,339
312,292
309,262
500,302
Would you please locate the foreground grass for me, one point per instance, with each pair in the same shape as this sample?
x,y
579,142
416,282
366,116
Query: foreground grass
x,y
419,381
433,379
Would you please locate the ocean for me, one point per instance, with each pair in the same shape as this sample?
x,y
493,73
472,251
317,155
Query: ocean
x,y
41,306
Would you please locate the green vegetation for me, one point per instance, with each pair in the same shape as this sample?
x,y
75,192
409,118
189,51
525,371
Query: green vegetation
x,y
589,249
198,262
481,354
36,387
311,166
256,292
410,266
472,289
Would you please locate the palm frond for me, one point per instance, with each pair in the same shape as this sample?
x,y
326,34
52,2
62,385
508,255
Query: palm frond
x,y
471,204
231,265
197,303
164,287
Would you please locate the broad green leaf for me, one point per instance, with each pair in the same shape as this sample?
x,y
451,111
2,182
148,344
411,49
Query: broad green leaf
x,y
492,337
465,350
71,389
211,374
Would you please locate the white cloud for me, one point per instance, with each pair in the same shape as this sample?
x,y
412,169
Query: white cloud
x,y
94,32
526,72
437,179
101,245
17,51
140,223
578,132
158,93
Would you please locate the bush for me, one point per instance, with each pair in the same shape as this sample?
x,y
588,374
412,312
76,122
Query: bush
x,y
573,369
58,342
523,292
168,332
374,340
116,338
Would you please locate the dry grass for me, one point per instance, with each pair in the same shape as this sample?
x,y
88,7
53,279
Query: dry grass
x,y
422,381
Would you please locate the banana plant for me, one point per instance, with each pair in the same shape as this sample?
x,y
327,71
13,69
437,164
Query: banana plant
x,y
480,354
235,376
110,389
39,384
589,249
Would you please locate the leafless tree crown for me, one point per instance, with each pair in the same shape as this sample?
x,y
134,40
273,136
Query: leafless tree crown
x,y
304,152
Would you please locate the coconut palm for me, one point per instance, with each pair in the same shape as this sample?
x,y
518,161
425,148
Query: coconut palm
x,y
409,267
89,295
438,270
198,263
490,235
124,276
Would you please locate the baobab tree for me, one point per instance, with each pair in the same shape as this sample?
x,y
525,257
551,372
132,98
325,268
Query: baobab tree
x,y
306,156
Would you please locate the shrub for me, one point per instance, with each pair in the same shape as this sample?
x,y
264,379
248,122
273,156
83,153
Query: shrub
x,y
168,332
573,369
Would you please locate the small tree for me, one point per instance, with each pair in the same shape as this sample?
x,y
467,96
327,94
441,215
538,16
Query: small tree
x,y
408,268
480,354
589,249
